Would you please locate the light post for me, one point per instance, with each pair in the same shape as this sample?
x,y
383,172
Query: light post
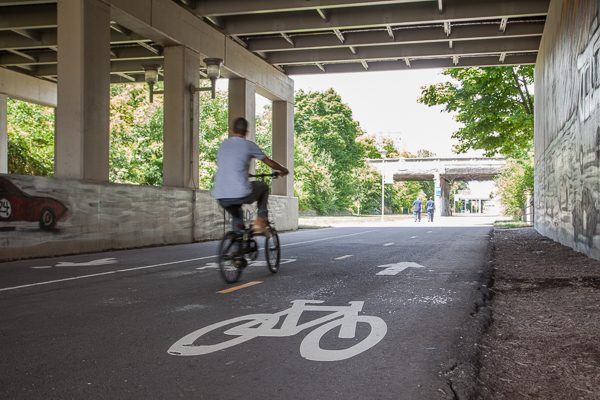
x,y
383,153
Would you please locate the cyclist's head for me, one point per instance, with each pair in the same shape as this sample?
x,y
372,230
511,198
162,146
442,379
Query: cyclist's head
x,y
240,126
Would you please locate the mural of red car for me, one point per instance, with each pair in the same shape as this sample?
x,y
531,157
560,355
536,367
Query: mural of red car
x,y
15,205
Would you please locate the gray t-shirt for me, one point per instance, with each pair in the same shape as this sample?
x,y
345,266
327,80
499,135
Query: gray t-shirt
x,y
233,164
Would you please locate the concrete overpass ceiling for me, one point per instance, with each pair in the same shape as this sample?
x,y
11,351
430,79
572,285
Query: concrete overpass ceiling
x,y
307,36
331,36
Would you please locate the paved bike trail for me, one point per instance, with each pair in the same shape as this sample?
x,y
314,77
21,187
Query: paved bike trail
x,y
100,325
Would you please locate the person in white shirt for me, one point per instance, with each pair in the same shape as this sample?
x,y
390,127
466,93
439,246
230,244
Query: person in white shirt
x,y
232,187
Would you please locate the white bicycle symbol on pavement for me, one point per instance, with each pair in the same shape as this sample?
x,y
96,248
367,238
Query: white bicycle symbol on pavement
x,y
310,348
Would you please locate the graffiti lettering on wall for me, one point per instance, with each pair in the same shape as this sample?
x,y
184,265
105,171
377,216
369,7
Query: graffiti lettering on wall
x,y
16,205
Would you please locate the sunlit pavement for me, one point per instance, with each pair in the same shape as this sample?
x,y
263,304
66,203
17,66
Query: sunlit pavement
x,y
466,220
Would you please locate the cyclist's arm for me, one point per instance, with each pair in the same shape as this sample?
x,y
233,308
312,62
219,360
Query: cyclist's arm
x,y
276,166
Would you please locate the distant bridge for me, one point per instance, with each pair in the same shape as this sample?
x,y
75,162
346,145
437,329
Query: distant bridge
x,y
442,171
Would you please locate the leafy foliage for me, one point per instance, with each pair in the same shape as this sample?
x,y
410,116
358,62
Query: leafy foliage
x,y
513,185
326,130
493,103
30,139
136,135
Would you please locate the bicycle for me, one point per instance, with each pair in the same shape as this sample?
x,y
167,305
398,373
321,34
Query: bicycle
x,y
238,246
342,320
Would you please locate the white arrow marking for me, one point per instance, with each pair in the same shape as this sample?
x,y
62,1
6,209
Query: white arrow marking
x,y
102,261
394,269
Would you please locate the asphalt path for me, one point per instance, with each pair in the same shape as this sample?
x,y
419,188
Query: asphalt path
x,y
392,308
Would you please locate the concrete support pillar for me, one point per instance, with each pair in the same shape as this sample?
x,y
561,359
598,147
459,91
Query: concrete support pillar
x,y
437,187
3,134
181,158
242,103
83,112
283,145
445,208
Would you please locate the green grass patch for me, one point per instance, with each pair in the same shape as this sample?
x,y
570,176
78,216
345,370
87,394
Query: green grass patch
x,y
515,223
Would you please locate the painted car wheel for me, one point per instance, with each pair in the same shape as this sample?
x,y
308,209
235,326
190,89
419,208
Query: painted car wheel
x,y
47,219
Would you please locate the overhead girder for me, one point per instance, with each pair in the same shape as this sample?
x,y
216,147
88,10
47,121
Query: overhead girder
x,y
424,63
48,38
377,16
50,57
232,7
427,50
28,17
382,37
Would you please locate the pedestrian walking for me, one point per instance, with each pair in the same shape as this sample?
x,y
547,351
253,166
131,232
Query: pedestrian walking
x,y
417,204
430,209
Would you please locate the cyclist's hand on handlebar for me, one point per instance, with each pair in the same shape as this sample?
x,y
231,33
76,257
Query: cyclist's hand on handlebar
x,y
284,172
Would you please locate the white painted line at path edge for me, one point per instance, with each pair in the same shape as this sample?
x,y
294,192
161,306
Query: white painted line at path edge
x,y
342,257
388,244
156,265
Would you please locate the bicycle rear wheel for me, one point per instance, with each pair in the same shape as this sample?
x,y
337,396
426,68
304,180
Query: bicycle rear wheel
x,y
273,251
229,258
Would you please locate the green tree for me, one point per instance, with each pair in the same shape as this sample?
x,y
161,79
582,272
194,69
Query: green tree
x,y
213,129
136,135
514,184
324,127
493,103
30,139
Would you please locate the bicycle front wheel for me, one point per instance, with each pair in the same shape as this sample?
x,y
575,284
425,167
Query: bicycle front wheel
x,y
230,258
273,251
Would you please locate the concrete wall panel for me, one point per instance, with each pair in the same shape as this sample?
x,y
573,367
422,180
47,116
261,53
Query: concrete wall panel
x,y
567,127
102,216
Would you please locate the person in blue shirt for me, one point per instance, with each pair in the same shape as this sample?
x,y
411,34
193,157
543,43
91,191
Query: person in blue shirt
x,y
430,209
417,209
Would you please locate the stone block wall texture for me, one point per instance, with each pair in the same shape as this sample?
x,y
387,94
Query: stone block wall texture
x,y
103,216
567,126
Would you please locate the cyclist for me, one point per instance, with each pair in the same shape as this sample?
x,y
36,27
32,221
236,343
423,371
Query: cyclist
x,y
232,188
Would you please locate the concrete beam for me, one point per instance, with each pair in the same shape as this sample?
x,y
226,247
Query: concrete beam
x,y
401,36
48,38
3,134
229,7
26,88
28,17
168,24
483,61
382,15
427,50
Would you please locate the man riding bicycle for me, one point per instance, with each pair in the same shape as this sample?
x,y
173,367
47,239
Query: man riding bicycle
x,y
232,188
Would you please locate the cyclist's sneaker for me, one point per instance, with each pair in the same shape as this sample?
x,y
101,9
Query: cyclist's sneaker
x,y
260,225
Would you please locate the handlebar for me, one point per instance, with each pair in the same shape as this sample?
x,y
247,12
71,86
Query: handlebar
x,y
272,175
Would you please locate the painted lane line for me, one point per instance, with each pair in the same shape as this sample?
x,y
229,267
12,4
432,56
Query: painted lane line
x,y
329,238
240,287
163,264
103,273
429,231
388,244
342,257
412,237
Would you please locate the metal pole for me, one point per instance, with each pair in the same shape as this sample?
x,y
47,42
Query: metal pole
x,y
382,188
383,153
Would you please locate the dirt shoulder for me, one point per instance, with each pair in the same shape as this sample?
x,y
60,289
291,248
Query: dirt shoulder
x,y
543,341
